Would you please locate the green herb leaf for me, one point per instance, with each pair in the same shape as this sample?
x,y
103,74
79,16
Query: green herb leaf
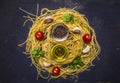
x,y
72,21
81,63
41,53
68,18
71,66
35,53
76,63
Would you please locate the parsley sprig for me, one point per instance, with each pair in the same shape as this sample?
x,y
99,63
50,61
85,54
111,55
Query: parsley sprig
x,y
68,18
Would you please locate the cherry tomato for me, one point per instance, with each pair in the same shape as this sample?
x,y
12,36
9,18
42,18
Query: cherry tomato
x,y
39,35
87,38
56,71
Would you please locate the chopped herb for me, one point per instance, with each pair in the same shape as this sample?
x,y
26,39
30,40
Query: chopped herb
x,y
41,53
72,21
71,66
76,63
68,18
37,53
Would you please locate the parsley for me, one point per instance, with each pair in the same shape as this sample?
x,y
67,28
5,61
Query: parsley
x,y
76,63
68,18
37,53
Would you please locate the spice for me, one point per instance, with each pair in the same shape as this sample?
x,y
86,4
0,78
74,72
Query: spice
x,y
59,32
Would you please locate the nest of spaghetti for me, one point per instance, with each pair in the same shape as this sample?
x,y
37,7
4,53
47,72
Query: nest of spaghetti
x,y
61,43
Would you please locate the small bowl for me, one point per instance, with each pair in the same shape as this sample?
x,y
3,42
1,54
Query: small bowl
x,y
59,52
59,32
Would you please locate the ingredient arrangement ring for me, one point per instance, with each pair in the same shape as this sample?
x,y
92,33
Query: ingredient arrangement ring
x,y
61,43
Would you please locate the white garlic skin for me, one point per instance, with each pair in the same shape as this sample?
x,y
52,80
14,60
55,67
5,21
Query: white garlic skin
x,y
47,17
46,64
77,30
87,49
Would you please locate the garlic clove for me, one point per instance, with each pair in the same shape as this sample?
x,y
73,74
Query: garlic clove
x,y
46,64
76,30
48,19
86,50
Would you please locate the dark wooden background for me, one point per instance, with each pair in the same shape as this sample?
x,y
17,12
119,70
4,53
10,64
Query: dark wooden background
x,y
104,17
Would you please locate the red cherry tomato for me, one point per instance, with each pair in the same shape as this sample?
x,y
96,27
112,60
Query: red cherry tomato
x,y
56,71
39,35
87,38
